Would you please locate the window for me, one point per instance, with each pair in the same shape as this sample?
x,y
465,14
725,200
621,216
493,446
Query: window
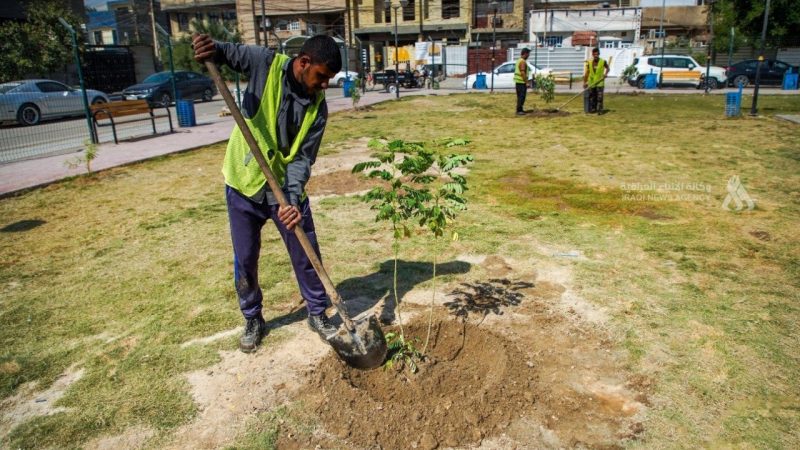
x,y
378,11
98,37
655,62
779,66
553,41
679,63
505,6
505,68
291,25
192,76
451,9
408,11
51,86
183,21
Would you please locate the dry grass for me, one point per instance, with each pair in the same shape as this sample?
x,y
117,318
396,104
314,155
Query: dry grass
x,y
132,262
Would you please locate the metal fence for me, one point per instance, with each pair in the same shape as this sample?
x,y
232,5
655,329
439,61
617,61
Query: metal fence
x,y
47,116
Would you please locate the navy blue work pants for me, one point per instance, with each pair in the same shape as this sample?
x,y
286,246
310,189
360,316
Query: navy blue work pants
x,y
247,219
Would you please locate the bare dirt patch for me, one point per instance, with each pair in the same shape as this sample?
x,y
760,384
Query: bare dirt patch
x,y
546,113
512,364
29,402
341,182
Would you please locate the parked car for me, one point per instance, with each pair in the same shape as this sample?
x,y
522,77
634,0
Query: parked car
x,y
28,102
338,79
389,79
157,88
504,75
677,63
772,72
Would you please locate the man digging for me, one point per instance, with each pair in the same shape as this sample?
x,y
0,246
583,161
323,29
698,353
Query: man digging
x,y
284,107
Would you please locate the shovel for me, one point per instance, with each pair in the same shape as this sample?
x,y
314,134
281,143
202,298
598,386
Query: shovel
x,y
573,98
360,344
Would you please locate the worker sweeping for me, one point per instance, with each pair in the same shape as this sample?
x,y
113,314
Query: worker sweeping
x,y
284,107
595,72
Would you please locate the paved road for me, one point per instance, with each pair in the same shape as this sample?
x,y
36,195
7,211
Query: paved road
x,y
70,135
63,136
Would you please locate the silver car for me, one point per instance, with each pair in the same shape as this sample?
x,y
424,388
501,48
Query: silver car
x,y
28,102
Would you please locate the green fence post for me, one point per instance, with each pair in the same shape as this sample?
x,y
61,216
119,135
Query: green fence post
x,y
80,78
171,64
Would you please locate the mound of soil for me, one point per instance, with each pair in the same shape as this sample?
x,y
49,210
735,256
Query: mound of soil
x,y
472,385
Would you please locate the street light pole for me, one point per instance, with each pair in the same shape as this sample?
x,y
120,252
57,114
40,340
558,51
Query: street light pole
x,y
753,107
402,4
493,4
663,42
710,43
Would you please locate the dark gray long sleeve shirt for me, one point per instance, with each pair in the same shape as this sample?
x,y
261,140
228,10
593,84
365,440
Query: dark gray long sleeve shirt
x,y
256,61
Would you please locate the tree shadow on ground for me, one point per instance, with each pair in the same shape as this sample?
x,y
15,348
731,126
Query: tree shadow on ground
x,y
22,225
486,297
362,293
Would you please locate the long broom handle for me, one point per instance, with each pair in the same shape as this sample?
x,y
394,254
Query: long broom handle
x,y
278,192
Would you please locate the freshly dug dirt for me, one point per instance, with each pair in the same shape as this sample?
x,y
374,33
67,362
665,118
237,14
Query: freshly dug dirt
x,y
473,384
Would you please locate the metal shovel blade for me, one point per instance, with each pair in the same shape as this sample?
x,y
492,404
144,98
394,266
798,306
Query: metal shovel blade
x,y
364,347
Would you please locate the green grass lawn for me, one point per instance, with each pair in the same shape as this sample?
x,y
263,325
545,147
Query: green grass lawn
x,y
129,263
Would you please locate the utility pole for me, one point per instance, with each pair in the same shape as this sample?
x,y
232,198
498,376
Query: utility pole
x,y
156,47
349,31
710,43
753,108
421,13
663,42
308,17
263,26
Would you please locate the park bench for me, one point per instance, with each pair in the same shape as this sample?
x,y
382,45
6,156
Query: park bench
x,y
681,76
112,111
563,78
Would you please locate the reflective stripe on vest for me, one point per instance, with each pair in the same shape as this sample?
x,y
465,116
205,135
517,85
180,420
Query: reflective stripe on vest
x,y
596,73
517,74
240,169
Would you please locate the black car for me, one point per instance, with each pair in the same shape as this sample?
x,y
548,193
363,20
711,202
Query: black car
x,y
744,72
157,88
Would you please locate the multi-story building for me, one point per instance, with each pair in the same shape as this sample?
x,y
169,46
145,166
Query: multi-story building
x,y
618,23
289,19
134,20
181,13
101,29
446,21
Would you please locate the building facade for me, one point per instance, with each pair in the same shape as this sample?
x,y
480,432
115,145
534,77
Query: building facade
x,y
181,13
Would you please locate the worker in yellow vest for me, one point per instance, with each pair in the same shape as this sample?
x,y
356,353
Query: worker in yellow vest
x,y
595,72
521,79
284,106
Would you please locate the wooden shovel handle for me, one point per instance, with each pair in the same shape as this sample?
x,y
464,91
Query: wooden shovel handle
x,y
278,192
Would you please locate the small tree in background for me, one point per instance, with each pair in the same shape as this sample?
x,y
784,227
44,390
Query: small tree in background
x,y
39,45
183,54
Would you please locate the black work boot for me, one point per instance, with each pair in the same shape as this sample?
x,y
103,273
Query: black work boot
x,y
322,326
254,330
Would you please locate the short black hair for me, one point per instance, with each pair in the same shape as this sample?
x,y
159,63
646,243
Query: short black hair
x,y
525,51
596,49
322,49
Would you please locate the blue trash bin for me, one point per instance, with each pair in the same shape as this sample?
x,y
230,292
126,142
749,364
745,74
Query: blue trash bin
x,y
650,81
790,81
347,85
480,81
185,110
733,104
